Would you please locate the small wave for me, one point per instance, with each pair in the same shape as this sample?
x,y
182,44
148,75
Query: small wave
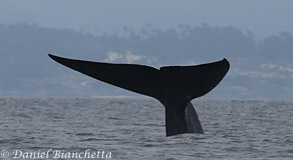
x,y
84,134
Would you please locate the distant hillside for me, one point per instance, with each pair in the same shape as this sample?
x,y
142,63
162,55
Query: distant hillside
x,y
259,69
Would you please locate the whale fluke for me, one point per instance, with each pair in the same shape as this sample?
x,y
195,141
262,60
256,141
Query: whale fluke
x,y
173,86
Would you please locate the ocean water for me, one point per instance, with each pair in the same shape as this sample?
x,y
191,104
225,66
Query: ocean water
x,y
133,128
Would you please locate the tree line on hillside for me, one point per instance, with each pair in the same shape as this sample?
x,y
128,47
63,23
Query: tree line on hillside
x,y
24,46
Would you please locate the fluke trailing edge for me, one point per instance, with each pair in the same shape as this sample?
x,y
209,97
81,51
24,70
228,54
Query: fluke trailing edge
x,y
173,86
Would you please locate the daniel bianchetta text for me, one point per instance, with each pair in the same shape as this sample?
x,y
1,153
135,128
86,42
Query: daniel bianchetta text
x,y
60,154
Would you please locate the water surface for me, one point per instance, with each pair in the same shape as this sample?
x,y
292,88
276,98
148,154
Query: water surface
x,y
133,128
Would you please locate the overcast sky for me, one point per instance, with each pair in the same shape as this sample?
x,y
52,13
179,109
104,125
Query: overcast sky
x,y
262,17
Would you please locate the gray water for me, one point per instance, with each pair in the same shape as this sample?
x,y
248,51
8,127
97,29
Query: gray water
x,y
128,128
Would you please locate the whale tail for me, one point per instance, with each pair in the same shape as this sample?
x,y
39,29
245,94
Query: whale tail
x,y
173,86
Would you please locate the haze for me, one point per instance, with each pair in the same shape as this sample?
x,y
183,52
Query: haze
x,y
262,17
255,36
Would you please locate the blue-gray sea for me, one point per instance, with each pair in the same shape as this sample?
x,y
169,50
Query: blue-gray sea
x,y
133,128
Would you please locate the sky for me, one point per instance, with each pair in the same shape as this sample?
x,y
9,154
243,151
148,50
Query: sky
x,y
262,17
270,70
